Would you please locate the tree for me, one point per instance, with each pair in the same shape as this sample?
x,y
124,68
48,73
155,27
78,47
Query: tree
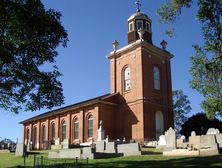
x,y
181,107
200,124
29,35
207,63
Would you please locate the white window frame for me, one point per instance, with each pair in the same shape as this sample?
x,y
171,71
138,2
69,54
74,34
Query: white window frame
x,y
76,121
127,82
90,119
148,26
131,23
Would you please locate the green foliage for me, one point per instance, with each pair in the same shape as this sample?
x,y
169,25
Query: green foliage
x,y
207,79
29,35
206,66
181,107
200,124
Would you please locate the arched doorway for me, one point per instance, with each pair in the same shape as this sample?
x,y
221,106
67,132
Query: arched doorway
x,y
159,124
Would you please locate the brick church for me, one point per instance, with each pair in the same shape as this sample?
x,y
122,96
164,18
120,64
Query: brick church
x,y
138,107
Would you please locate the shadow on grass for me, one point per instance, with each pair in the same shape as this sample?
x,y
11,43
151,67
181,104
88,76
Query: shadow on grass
x,y
171,162
151,153
210,161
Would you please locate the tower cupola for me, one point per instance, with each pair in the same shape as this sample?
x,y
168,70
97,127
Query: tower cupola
x,y
139,21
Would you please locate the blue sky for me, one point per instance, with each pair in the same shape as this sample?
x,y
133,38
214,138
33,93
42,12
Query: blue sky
x,y
92,26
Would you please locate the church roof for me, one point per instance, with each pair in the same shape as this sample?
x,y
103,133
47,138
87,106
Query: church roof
x,y
69,107
138,15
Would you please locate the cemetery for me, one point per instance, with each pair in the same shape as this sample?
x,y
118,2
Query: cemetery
x,y
167,145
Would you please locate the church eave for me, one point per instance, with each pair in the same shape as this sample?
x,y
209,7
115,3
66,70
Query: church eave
x,y
76,106
132,46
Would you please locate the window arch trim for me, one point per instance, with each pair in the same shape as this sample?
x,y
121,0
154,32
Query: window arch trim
x,y
126,73
63,130
90,125
75,128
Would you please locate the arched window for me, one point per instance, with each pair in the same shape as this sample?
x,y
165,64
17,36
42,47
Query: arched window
x,y
35,135
156,78
90,126
127,79
63,130
27,135
43,133
53,132
159,124
76,129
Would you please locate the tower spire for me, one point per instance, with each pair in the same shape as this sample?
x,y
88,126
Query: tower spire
x,y
138,3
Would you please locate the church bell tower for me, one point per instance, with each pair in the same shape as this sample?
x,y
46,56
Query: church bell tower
x,y
141,74
139,22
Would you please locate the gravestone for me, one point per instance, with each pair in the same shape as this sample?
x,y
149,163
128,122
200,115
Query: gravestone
x,y
65,144
111,147
162,140
194,142
20,149
208,145
100,146
57,145
219,140
87,152
170,135
129,149
107,139
29,146
57,141
212,131
53,155
101,132
70,153
193,133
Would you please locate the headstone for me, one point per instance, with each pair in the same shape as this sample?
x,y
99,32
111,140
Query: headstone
x,y
153,144
101,132
53,154
87,152
100,146
57,145
70,153
181,144
212,131
183,138
107,139
162,140
208,145
207,140
65,144
170,138
194,142
181,152
57,141
129,149
20,149
111,147
219,140
193,133
29,145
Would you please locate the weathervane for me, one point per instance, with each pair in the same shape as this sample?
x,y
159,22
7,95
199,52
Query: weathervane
x,y
138,5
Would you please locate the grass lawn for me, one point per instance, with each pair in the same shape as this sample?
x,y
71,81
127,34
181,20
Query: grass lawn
x,y
150,159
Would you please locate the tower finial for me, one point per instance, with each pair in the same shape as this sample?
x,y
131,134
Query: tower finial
x,y
138,3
